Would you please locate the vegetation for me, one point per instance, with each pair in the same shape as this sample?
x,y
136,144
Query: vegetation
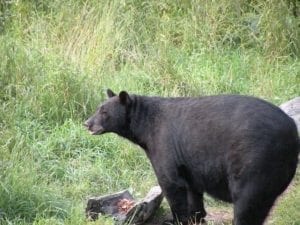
x,y
58,57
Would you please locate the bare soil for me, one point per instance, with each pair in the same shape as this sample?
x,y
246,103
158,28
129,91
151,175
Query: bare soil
x,y
214,216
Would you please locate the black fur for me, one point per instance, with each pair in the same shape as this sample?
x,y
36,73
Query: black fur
x,y
236,148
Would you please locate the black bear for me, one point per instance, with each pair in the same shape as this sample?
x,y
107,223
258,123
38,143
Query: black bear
x,y
238,149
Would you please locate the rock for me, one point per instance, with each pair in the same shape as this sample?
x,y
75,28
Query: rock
x,y
130,210
292,108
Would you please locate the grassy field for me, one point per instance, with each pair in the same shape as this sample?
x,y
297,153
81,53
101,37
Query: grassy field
x,y
58,57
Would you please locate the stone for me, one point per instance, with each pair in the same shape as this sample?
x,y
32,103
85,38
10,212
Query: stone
x,y
292,108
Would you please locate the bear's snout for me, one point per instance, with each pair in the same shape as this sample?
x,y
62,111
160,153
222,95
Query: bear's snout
x,y
87,124
93,128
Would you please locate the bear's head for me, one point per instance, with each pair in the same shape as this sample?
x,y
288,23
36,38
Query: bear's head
x,y
111,116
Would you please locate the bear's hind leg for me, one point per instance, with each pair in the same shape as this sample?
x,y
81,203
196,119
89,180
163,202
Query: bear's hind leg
x,y
253,204
248,212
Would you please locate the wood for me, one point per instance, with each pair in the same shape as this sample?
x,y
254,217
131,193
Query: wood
x,y
140,212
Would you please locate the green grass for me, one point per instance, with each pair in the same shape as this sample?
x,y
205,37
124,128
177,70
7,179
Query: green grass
x,y
58,57
288,207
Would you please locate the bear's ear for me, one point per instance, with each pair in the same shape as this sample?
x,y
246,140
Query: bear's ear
x,y
124,98
110,93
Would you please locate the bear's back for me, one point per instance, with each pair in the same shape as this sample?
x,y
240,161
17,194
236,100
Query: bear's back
x,y
215,125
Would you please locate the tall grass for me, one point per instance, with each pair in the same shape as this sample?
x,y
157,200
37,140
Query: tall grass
x,y
58,57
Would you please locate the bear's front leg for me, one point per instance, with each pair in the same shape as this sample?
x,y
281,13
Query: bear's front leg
x,y
196,207
176,196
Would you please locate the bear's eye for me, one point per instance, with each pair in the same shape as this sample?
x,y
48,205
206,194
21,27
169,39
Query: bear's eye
x,y
104,114
102,111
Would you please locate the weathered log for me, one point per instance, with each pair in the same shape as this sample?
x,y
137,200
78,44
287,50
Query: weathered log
x,y
107,204
137,214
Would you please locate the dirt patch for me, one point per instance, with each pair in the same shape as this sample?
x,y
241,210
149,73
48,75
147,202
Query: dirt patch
x,y
214,217
219,217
